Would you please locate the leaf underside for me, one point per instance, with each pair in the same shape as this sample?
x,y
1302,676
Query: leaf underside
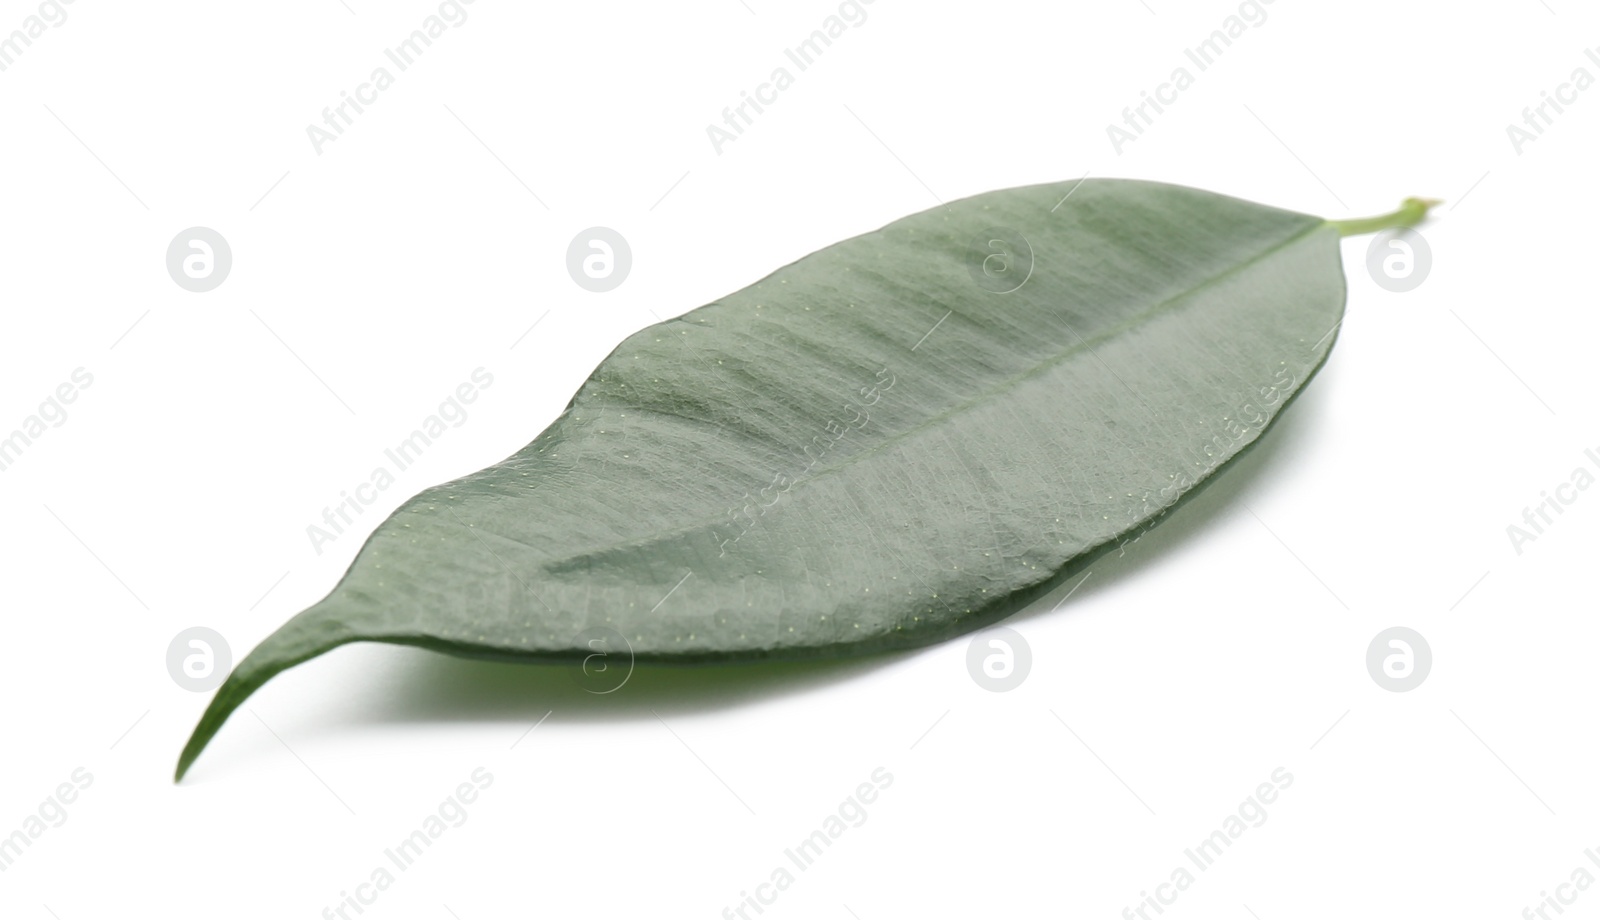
x,y
871,448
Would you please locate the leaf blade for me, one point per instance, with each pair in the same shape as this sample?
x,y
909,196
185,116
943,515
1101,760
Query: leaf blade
x,y
721,488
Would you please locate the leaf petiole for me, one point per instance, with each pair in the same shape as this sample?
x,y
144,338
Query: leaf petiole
x,y
1410,213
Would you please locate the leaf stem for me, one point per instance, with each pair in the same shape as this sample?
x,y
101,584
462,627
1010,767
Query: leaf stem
x,y
1410,212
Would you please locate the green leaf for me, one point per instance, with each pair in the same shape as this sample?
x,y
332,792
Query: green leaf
x,y
897,439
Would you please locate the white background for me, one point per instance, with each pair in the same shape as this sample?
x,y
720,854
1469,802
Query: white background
x,y
370,280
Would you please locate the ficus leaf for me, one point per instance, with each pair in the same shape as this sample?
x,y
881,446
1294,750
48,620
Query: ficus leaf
x,y
897,439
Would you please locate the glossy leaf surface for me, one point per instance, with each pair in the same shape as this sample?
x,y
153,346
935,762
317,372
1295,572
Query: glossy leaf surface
x,y
897,439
